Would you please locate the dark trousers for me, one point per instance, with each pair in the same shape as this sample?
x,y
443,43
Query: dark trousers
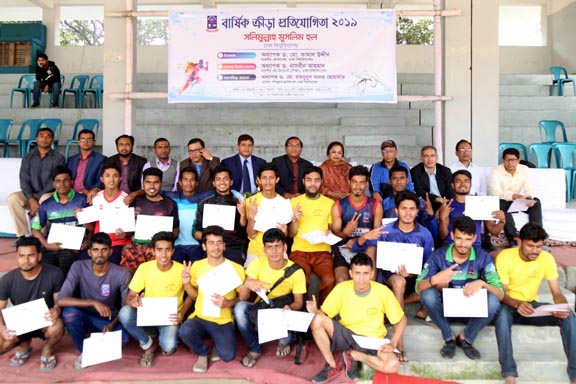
x,y
534,216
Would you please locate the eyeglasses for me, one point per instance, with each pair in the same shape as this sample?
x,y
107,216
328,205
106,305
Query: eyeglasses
x,y
465,150
194,150
85,139
294,145
511,160
388,150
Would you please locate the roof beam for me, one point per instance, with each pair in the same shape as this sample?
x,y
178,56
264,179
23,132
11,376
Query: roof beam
x,y
43,3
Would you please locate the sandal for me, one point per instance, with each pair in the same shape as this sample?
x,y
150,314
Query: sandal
x,y
20,359
47,363
250,359
402,357
147,360
421,313
283,350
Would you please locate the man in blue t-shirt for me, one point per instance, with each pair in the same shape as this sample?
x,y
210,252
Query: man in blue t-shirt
x,y
380,172
60,209
102,288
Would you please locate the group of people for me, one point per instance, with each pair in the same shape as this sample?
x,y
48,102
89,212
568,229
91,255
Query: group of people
x,y
101,286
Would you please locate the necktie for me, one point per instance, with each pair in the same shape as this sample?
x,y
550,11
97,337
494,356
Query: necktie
x,y
246,185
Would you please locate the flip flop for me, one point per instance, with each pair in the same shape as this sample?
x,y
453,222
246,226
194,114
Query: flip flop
x,y
250,359
47,363
402,357
20,359
283,350
147,360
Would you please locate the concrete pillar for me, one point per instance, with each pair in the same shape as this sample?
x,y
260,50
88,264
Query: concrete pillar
x,y
51,19
472,77
115,78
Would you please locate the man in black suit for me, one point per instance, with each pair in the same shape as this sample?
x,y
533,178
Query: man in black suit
x,y
130,164
432,178
290,169
244,166
201,159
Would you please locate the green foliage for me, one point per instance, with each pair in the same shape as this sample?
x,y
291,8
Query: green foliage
x,y
81,32
409,31
152,31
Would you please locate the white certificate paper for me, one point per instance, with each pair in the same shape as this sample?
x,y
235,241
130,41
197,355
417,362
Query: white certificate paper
x,y
520,205
101,348
481,207
272,212
113,218
390,255
26,317
297,320
209,309
68,236
88,215
156,311
221,215
373,343
318,237
271,325
148,225
546,310
458,305
220,280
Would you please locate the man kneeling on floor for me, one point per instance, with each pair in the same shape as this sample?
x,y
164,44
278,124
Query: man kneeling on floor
x,y
283,281
361,305
32,280
459,265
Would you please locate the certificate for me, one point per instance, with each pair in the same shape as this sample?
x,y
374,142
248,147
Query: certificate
x,y
520,205
546,310
147,226
481,207
388,220
318,237
26,317
221,215
373,343
113,218
458,305
68,236
209,309
390,255
101,348
156,311
272,212
271,325
88,215
220,280
297,320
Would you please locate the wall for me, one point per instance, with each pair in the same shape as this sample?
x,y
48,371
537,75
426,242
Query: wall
x,y
561,35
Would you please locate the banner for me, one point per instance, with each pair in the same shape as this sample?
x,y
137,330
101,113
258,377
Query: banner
x,y
282,55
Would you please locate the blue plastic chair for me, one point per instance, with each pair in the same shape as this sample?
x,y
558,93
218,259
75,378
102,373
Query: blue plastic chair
x,y
548,130
30,125
541,153
97,88
25,86
5,126
519,146
77,89
56,126
565,154
560,77
90,124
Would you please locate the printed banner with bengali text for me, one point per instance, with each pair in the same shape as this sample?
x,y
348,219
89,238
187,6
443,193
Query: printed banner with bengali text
x,y
282,55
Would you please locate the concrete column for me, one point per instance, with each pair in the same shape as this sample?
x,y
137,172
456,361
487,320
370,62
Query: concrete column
x,y
115,78
51,19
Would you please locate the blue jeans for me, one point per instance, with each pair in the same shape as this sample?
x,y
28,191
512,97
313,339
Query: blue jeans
x,y
248,329
509,316
39,88
79,321
432,300
194,331
167,334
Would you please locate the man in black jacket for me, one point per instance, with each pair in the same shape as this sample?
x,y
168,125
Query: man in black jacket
x,y
47,78
130,164
432,178
290,169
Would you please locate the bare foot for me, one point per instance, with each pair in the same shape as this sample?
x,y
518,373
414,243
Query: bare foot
x,y
509,380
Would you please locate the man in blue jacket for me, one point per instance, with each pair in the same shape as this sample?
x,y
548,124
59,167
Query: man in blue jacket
x,y
86,166
243,166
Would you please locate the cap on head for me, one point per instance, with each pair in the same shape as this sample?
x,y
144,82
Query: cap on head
x,y
388,143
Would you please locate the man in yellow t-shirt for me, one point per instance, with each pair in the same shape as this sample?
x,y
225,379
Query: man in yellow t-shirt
x,y
361,305
521,271
262,274
160,277
199,326
313,212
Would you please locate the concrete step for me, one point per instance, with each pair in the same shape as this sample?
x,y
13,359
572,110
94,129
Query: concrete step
x,y
525,90
522,118
537,103
545,79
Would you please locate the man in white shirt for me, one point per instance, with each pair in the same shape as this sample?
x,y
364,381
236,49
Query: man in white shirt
x,y
464,154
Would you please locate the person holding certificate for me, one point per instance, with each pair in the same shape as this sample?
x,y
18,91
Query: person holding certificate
x,y
361,305
470,268
31,281
151,204
101,286
261,275
521,271
215,296
61,209
158,278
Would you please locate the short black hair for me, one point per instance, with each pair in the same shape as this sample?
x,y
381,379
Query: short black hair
x,y
86,131
268,167
152,172
60,169
159,140
362,259
245,137
214,230
312,169
396,169
511,151
41,55
463,141
106,166
293,138
406,195
428,147
464,224
45,129
196,140
273,235
219,169
131,138
28,241
100,238
461,172
359,170
163,236
188,170
333,144
533,232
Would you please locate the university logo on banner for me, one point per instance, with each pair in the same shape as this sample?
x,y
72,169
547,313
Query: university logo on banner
x,y
282,55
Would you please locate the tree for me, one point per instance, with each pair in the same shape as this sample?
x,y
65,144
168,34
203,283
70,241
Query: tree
x,y
410,32
152,31
81,32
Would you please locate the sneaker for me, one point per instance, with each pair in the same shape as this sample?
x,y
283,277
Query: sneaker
x,y
55,106
448,350
469,350
351,365
325,374
201,365
35,105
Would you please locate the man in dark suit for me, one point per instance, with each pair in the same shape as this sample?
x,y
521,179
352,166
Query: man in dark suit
x,y
201,159
244,166
86,166
290,168
432,178
130,164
